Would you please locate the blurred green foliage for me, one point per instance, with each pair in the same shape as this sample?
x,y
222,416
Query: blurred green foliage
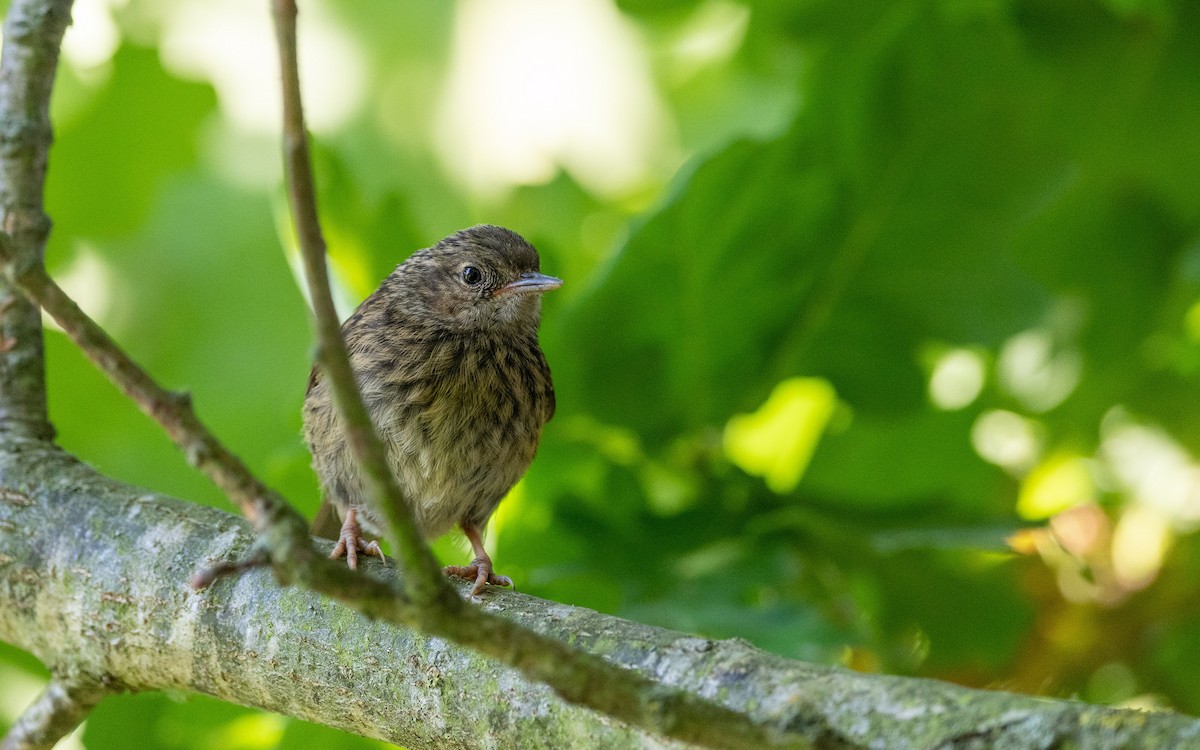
x,y
971,227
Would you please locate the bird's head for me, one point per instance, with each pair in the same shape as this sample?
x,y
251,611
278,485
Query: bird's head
x,y
483,278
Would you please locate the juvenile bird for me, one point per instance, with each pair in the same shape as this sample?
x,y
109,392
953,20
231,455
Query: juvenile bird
x,y
447,358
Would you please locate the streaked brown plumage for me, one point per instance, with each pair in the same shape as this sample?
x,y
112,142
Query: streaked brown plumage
x,y
447,357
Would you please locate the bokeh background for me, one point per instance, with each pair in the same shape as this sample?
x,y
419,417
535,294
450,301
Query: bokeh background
x,y
880,338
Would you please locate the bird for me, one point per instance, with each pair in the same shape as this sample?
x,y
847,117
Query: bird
x,y
447,359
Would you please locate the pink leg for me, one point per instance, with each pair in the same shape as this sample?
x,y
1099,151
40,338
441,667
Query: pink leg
x,y
351,542
480,569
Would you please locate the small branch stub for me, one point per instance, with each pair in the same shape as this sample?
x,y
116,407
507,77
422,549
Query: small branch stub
x,y
55,714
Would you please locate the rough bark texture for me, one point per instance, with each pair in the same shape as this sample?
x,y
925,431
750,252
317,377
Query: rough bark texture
x,y
32,34
94,581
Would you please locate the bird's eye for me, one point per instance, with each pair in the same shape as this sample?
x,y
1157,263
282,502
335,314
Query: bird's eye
x,y
471,276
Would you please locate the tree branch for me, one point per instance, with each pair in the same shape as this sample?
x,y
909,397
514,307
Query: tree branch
x,y
33,33
577,677
424,580
171,410
60,708
116,602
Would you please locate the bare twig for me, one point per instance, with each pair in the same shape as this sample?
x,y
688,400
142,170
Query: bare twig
x,y
55,714
171,410
423,577
259,557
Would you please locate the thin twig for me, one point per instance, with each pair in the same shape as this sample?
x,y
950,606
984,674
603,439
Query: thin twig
x,y
423,577
55,714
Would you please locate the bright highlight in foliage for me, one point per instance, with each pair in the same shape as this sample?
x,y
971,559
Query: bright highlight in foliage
x,y
1191,321
1039,369
1060,482
1006,439
1140,543
253,732
956,380
535,85
777,441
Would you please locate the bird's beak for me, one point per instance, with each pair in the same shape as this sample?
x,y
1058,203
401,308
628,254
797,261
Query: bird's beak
x,y
530,283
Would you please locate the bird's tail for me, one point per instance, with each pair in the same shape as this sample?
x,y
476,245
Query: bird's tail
x,y
327,524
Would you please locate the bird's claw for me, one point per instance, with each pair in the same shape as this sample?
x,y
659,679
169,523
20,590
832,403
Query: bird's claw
x,y
351,549
480,571
351,542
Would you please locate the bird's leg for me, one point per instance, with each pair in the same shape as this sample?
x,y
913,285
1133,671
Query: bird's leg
x,y
351,542
480,569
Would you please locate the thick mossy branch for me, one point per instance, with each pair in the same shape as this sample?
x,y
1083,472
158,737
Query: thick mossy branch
x,y
114,599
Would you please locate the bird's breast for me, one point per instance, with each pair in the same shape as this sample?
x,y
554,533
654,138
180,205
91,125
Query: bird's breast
x,y
463,432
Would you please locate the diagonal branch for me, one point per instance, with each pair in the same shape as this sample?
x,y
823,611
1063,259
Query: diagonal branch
x,y
170,409
423,580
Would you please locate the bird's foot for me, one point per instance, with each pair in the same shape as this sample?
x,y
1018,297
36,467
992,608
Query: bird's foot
x,y
351,542
480,571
